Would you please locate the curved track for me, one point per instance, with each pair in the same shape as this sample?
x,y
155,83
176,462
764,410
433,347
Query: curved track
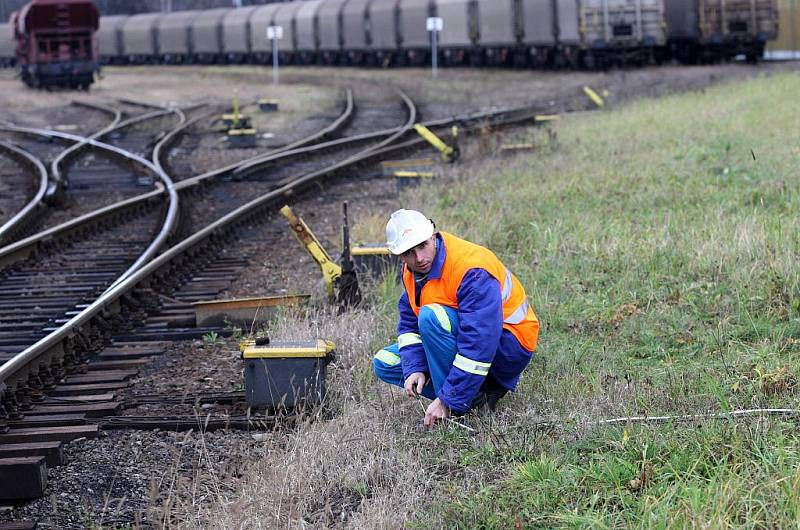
x,y
80,179
15,187
17,367
84,362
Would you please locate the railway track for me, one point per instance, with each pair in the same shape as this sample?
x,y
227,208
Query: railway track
x,y
22,190
65,386
79,179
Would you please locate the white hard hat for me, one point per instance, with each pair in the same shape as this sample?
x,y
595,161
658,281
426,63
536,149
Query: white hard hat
x,y
406,229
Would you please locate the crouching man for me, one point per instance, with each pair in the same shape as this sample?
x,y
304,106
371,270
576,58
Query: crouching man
x,y
466,329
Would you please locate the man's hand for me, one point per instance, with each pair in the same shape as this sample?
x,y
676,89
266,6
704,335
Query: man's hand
x,y
436,411
418,380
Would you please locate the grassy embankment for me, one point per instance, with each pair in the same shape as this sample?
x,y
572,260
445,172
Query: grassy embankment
x,y
659,245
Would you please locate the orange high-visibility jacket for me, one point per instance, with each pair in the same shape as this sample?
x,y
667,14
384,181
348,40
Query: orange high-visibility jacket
x,y
518,316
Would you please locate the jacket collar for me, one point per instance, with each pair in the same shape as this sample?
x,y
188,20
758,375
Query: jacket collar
x,y
438,261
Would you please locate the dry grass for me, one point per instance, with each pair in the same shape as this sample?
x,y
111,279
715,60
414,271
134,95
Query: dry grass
x,y
353,468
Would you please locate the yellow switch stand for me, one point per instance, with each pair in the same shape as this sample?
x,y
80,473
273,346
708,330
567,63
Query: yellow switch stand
x,y
330,270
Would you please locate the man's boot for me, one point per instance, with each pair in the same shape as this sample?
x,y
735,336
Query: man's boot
x,y
490,393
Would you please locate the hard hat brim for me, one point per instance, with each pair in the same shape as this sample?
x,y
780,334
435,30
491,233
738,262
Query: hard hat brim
x,y
411,243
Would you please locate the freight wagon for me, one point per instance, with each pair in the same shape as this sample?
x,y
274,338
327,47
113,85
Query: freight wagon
x,y
6,45
536,33
56,43
702,30
109,39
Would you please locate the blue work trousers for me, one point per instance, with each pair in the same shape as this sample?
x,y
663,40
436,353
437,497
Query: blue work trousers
x,y
438,329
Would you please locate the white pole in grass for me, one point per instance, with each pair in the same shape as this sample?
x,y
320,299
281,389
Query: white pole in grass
x,y
274,33
434,25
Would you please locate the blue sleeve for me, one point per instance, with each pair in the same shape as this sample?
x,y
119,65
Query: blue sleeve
x,y
480,325
412,354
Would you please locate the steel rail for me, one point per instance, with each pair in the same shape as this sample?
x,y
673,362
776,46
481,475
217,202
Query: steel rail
x,y
247,167
183,124
56,182
26,211
57,179
137,103
23,248
162,236
27,357
23,363
300,146
171,216
117,113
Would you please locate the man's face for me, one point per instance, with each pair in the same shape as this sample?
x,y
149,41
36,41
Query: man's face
x,y
420,258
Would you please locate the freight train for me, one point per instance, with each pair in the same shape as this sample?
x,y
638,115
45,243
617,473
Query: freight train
x,y
524,33
55,43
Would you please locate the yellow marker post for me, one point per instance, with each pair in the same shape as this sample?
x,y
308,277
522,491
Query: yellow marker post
x,y
546,117
236,112
448,153
594,96
330,270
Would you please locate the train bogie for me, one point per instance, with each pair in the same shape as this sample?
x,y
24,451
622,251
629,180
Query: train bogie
x,y
415,39
236,34
262,18
307,32
207,35
140,39
174,37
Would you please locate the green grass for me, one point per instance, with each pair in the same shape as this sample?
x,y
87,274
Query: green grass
x,y
659,245
660,256
717,475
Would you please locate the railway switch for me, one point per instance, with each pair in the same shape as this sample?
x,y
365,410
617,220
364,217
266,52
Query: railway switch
x,y
235,121
341,281
286,375
449,153
595,97
330,270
